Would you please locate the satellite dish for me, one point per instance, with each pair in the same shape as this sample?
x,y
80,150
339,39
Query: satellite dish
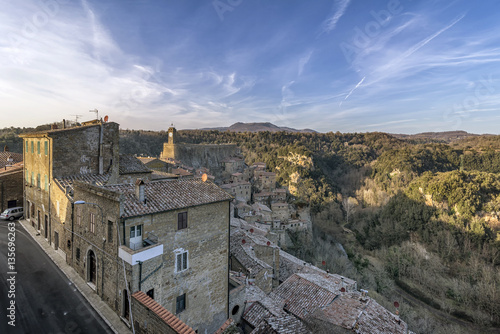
x,y
396,304
269,243
204,177
106,118
342,290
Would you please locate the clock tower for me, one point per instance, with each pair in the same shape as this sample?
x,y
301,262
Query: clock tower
x,y
172,135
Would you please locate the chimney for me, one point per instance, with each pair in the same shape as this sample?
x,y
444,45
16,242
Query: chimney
x,y
139,190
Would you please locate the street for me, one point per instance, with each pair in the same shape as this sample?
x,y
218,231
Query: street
x,y
45,300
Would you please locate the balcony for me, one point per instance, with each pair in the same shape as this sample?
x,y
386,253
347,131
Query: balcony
x,y
143,251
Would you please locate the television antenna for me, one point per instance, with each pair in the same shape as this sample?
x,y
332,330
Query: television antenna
x,y
77,117
96,113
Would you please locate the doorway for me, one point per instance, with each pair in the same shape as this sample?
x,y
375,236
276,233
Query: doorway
x,y
46,226
92,268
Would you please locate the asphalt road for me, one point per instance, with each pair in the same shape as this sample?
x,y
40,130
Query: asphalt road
x,y
46,301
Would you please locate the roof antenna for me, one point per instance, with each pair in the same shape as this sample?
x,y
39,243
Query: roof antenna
x,y
77,117
96,113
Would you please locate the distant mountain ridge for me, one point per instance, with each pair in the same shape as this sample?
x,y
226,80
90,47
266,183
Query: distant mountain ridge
x,y
445,136
257,127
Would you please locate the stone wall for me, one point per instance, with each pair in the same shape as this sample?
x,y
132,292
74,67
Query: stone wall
x,y
200,155
75,150
205,281
151,318
11,187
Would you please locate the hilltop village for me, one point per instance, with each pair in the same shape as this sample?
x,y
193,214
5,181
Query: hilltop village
x,y
192,241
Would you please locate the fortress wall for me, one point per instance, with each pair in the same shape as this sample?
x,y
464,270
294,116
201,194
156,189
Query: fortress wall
x,y
200,155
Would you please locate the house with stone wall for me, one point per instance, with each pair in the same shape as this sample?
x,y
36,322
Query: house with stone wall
x,y
11,186
124,230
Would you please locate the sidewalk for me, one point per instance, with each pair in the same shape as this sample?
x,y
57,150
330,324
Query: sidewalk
x,y
106,313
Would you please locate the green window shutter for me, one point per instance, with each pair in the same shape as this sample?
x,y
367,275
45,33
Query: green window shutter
x,y
38,147
27,146
46,146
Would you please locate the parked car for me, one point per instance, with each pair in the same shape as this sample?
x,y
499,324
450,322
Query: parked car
x,y
12,213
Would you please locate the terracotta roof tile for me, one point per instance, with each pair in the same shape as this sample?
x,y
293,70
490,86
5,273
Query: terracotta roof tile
x,y
302,296
166,195
176,324
224,326
4,158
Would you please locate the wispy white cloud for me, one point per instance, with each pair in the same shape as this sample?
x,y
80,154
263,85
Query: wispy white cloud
x,y
339,10
352,90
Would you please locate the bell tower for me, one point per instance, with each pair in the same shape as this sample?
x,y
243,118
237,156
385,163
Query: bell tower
x,y
172,135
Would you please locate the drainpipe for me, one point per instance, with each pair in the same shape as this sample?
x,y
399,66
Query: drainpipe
x,y
102,267
228,252
140,274
72,230
99,154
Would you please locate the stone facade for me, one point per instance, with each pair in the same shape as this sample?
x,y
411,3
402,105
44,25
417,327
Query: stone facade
x,y
242,191
88,149
265,181
11,186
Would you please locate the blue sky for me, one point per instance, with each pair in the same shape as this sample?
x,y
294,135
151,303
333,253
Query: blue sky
x,y
339,65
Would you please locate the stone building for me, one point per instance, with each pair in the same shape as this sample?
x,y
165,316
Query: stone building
x,y
280,211
11,186
242,191
173,238
122,230
265,181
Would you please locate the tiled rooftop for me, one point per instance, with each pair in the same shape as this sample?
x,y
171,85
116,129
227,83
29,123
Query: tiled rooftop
x,y
302,296
171,320
244,253
4,157
131,165
166,195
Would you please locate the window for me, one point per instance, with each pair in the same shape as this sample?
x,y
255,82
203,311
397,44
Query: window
x,y
135,231
38,185
181,260
180,304
92,223
32,147
32,178
38,147
46,183
27,146
27,175
46,147
78,254
110,231
182,220
151,293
